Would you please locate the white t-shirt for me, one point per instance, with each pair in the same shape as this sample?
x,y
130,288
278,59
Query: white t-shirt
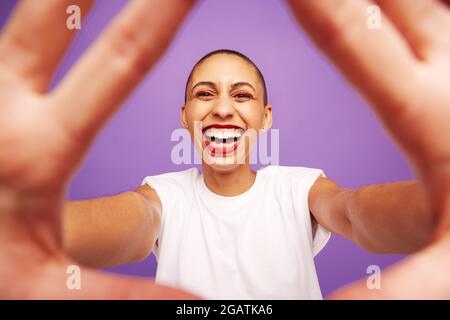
x,y
256,245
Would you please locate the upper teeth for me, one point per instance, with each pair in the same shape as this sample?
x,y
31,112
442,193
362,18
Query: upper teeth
x,y
223,133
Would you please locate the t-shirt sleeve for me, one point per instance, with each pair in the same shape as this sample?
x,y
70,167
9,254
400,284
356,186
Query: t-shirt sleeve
x,y
306,179
169,187
321,236
161,187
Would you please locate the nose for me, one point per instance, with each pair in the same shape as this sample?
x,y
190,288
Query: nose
x,y
223,108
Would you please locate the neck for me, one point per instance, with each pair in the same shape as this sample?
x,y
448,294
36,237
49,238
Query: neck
x,y
230,183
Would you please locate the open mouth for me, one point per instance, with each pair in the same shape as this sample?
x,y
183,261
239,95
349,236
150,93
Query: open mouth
x,y
222,140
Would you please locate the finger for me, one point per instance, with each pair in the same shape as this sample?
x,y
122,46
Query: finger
x,y
116,63
424,23
68,281
376,61
421,276
103,286
37,37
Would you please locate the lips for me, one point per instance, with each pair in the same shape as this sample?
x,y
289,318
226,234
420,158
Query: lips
x,y
221,126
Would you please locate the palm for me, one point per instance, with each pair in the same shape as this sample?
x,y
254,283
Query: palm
x,y
35,138
43,137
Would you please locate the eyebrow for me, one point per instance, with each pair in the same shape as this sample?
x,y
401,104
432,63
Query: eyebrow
x,y
241,84
204,83
213,85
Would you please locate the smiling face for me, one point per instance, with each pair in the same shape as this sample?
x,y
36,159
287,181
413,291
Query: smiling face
x,y
225,109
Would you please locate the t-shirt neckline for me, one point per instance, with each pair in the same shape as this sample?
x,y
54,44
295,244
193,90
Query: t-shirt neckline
x,y
240,196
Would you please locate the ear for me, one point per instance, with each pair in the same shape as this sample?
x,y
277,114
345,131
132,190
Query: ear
x,y
267,121
183,117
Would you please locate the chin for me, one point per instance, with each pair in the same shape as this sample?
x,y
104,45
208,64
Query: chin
x,y
223,165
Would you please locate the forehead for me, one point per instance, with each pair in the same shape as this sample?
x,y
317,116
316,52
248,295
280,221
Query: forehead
x,y
226,69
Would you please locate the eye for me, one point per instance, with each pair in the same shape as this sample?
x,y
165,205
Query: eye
x,y
203,94
243,96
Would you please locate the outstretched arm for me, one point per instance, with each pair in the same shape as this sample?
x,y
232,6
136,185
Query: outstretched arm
x,y
382,218
114,230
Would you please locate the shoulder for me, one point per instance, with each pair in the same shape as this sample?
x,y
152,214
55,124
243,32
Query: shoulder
x,y
169,189
172,178
292,174
171,186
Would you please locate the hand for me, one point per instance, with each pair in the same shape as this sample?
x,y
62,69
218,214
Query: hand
x,y
44,135
403,69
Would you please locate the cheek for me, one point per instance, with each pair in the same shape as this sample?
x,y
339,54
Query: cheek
x,y
252,115
196,112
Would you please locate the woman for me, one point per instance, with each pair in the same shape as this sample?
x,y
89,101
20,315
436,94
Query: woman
x,y
232,232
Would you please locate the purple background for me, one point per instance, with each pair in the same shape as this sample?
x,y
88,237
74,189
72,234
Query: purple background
x,y
323,122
